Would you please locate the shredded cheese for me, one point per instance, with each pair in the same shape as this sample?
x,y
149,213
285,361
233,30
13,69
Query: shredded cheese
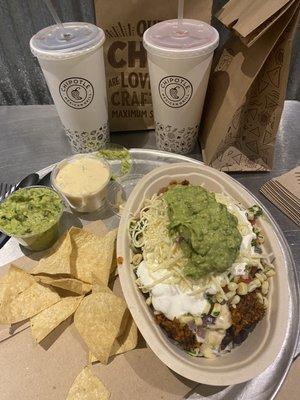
x,y
165,258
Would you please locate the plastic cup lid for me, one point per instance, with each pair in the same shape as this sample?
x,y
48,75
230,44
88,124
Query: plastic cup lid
x,y
74,39
192,38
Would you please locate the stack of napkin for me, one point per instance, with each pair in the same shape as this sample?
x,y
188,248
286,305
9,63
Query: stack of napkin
x,y
284,193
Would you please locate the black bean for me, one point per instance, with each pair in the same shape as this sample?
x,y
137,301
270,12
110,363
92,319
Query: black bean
x,y
228,338
208,320
238,339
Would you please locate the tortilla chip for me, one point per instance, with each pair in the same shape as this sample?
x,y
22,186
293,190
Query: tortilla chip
x,y
126,342
15,281
70,284
114,264
98,320
12,284
92,254
92,358
58,260
88,387
28,303
17,276
47,320
98,286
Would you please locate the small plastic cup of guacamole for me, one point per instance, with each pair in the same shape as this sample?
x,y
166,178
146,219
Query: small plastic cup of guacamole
x,y
31,216
119,159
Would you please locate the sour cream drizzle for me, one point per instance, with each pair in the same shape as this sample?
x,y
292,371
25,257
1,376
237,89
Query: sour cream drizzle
x,y
169,299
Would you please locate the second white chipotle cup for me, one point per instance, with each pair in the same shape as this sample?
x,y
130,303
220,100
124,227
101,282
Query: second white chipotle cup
x,y
179,59
72,63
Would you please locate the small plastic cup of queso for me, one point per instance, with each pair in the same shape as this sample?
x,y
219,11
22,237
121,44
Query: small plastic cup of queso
x,y
82,181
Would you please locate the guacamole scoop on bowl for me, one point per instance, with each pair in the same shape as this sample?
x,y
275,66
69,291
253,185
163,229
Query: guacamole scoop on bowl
x,y
30,211
205,230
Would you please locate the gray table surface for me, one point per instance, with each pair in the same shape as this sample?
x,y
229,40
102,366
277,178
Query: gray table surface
x,y
32,137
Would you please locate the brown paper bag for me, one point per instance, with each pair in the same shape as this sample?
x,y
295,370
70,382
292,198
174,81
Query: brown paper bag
x,y
128,86
247,86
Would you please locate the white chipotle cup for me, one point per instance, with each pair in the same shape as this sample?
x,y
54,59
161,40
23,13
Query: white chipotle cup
x,y
179,59
72,63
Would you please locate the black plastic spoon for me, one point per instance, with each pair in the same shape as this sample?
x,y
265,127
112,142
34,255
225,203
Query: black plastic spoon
x,y
45,181
29,180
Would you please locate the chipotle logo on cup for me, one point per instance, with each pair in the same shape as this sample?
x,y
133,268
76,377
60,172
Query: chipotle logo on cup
x,y
127,75
76,92
175,91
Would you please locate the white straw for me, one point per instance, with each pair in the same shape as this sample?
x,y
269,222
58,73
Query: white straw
x,y
180,12
56,18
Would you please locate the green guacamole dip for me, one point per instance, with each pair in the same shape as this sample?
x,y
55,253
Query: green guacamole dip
x,y
116,154
30,211
205,230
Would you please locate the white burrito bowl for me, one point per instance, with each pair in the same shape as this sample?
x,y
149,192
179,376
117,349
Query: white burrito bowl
x,y
260,349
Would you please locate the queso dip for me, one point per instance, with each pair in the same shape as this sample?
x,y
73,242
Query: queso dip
x,y
82,176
